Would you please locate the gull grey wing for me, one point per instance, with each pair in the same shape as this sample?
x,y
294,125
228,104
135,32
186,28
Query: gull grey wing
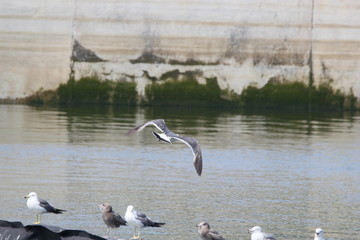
x,y
44,204
144,219
268,236
215,235
119,219
195,147
158,123
147,222
158,136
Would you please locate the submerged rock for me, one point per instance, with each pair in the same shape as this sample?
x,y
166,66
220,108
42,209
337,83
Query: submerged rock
x,y
16,230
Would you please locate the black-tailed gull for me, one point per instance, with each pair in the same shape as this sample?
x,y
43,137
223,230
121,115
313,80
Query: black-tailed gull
x,y
40,206
138,221
257,234
111,218
207,233
170,137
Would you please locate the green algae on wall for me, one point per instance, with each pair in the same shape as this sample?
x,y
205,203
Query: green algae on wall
x,y
175,88
295,95
91,90
185,92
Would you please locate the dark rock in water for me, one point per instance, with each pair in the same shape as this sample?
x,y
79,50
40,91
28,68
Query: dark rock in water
x,y
16,230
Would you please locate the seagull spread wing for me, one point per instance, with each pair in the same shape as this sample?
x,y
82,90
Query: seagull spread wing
x,y
195,147
166,136
158,123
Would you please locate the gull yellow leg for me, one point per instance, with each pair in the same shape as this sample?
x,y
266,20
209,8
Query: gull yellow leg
x,y
136,235
37,219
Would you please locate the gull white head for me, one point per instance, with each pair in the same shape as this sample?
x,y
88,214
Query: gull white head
x,y
203,226
130,208
31,195
255,229
318,234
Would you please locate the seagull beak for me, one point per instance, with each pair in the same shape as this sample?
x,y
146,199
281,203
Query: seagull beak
x,y
27,196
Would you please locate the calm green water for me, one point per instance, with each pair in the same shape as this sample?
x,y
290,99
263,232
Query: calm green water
x,y
288,173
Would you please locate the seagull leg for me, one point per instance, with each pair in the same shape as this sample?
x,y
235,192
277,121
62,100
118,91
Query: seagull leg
x,y
136,233
138,236
37,219
107,232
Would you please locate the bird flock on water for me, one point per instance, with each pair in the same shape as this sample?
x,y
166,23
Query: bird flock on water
x,y
139,220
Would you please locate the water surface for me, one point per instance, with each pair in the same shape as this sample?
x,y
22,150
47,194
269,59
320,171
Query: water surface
x,y
288,173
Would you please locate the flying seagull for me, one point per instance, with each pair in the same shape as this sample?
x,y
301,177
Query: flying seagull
x,y
40,206
111,218
257,234
319,235
207,233
170,137
138,221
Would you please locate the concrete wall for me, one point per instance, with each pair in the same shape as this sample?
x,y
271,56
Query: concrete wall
x,y
240,42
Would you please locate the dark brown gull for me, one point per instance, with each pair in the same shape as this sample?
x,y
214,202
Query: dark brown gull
x,y
207,233
111,218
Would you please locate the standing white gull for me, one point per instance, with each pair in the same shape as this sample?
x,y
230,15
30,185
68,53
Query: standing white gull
x,y
207,233
138,221
257,234
319,234
111,218
170,137
40,206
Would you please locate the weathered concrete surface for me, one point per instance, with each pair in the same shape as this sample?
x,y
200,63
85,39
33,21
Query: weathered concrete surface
x,y
241,42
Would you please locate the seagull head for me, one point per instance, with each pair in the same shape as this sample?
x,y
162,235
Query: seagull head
x,y
255,229
318,232
203,228
203,225
31,195
105,207
130,208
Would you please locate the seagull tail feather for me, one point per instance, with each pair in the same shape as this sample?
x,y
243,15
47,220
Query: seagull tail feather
x,y
58,211
157,224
